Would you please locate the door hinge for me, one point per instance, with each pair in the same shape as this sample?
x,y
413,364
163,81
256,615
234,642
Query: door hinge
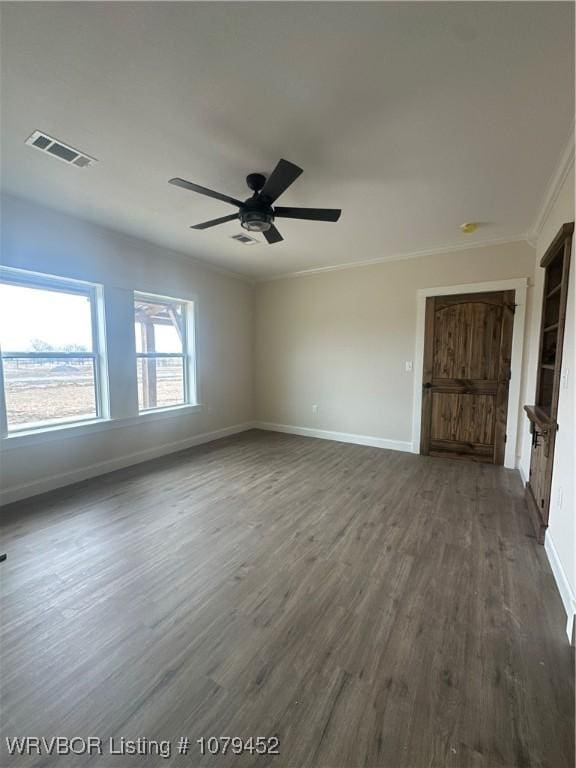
x,y
505,438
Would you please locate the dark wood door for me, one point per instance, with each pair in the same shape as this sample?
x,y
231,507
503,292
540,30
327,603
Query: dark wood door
x,y
467,352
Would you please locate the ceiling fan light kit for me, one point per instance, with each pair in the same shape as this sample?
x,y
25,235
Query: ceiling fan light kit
x,y
255,218
257,213
256,221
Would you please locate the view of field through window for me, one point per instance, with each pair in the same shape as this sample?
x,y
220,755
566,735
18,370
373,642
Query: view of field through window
x,y
49,364
160,345
47,355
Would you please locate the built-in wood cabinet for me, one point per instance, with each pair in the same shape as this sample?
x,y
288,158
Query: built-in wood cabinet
x,y
544,413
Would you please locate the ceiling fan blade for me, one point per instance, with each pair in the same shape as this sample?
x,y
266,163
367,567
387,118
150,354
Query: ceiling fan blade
x,y
272,235
215,222
279,180
204,191
313,214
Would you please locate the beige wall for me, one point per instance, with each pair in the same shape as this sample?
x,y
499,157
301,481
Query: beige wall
x,y
561,535
40,239
340,339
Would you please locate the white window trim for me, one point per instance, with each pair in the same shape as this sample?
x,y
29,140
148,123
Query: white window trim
x,y
57,284
188,355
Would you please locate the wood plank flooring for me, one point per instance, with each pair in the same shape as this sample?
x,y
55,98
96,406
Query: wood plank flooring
x,y
367,607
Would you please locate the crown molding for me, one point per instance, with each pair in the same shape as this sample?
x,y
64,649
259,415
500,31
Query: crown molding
x,y
450,248
565,164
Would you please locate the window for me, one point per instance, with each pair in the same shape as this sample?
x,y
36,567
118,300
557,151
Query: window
x,y
164,336
50,357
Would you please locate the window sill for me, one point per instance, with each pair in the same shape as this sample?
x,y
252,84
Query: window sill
x,y
161,413
57,432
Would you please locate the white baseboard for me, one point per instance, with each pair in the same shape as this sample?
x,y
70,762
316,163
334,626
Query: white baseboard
x,y
522,475
339,437
45,484
566,593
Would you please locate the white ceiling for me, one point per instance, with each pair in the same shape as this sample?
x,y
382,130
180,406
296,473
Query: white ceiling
x,y
411,117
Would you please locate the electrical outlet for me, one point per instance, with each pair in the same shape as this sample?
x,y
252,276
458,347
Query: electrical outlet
x,y
314,409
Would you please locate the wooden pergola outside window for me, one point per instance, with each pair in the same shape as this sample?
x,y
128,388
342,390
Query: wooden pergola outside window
x,y
161,344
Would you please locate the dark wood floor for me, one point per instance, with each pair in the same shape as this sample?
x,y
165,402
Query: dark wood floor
x,y
370,608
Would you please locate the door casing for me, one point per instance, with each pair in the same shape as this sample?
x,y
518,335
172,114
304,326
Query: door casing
x,y
466,374
514,425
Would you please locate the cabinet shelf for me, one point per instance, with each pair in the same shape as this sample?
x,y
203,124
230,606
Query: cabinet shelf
x,y
544,412
539,417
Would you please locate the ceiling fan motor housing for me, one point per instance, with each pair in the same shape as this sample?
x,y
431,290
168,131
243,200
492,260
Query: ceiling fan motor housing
x,y
255,181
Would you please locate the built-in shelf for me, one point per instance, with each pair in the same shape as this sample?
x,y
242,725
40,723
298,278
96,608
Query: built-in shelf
x,y
544,413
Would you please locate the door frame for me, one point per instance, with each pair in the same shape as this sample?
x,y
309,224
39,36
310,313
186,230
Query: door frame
x,y
519,286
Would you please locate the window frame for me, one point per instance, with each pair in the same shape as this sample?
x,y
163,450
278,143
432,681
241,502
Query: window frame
x,y
188,354
94,292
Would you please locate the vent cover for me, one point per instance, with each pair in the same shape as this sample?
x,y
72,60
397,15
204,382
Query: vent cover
x,y
244,239
58,149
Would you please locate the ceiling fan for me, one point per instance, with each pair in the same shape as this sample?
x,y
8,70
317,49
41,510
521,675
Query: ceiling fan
x,y
257,213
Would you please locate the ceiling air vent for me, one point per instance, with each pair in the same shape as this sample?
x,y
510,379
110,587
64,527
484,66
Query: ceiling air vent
x,y
244,239
58,149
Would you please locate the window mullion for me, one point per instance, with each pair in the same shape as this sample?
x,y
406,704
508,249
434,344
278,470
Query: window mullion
x,y
185,362
3,419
